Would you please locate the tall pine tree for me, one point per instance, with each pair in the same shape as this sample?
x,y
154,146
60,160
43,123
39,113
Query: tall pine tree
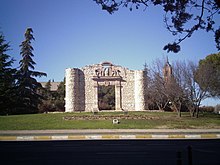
x,y
7,79
27,85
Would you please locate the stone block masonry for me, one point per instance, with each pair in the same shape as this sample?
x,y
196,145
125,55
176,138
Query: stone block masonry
x,y
82,87
75,90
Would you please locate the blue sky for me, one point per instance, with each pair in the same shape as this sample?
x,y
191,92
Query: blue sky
x,y
75,33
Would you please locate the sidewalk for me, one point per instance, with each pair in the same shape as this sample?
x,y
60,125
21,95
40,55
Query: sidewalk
x,y
100,134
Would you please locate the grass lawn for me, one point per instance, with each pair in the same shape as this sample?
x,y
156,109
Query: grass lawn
x,y
156,120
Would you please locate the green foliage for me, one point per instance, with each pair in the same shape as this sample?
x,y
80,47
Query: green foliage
x,y
45,92
27,85
7,79
53,100
106,97
61,91
208,74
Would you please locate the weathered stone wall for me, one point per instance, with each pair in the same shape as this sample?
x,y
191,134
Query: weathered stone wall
x,y
128,101
75,90
91,96
139,90
69,97
82,87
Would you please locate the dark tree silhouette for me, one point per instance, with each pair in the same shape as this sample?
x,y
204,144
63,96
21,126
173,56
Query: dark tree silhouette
x,y
27,85
182,17
7,79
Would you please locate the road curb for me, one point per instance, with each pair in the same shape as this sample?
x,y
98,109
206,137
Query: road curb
x,y
109,137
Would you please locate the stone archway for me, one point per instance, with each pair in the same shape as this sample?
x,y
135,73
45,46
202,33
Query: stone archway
x,y
115,81
82,87
106,97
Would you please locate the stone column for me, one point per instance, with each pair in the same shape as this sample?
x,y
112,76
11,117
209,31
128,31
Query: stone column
x,y
95,96
69,98
118,106
139,90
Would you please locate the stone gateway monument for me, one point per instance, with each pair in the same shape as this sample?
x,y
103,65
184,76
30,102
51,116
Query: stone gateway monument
x,y
82,87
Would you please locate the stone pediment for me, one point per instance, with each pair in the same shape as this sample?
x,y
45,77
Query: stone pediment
x,y
107,78
106,70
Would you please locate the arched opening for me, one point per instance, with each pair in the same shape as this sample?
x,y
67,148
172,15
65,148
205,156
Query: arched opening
x,y
106,97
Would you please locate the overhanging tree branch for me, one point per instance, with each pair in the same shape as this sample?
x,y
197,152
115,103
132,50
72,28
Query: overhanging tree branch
x,y
181,14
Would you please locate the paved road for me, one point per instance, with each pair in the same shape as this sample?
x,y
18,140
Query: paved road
x,y
104,152
87,134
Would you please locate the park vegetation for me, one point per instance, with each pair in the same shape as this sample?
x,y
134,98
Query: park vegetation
x,y
187,85
18,87
20,92
86,120
26,85
53,101
181,90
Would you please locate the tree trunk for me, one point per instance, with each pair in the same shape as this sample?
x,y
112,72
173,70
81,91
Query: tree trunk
x,y
179,113
192,111
159,107
178,110
197,112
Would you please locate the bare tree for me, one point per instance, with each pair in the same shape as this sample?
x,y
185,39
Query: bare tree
x,y
176,87
159,92
181,89
156,88
193,94
198,93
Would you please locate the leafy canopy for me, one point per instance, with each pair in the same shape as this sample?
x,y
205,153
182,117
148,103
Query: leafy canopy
x,y
209,68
